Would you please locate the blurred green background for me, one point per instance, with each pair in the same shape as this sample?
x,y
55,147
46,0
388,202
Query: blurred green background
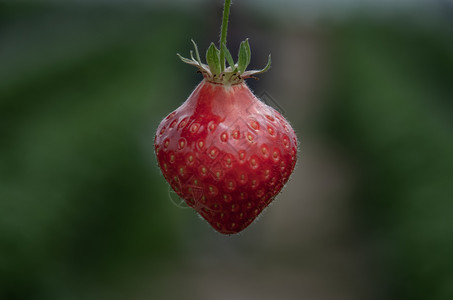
x,y
85,213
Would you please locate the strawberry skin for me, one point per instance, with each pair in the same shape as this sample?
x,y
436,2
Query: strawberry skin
x,y
226,154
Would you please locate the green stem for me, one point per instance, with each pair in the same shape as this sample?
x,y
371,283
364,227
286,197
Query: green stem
x,y
223,34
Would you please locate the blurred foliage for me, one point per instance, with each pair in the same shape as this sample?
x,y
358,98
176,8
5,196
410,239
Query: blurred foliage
x,y
392,111
81,197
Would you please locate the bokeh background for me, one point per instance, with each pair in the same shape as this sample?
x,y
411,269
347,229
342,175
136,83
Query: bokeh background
x,y
85,213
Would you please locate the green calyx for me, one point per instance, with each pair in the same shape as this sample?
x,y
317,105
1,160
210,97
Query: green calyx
x,y
215,70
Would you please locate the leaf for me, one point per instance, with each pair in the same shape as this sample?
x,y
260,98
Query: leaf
x,y
197,54
201,67
242,58
228,56
213,59
249,53
268,65
186,60
253,72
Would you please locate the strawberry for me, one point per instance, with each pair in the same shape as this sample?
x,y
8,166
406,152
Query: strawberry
x,y
223,151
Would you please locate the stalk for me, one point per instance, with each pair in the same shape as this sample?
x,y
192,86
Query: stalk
x,y
215,69
223,33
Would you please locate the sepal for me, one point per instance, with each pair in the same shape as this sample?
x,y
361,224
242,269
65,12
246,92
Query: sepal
x,y
214,69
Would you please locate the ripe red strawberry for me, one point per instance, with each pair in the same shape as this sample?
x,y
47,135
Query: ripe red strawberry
x,y
226,154
223,151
